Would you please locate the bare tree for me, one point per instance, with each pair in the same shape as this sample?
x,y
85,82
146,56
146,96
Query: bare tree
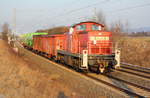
x,y
127,26
99,17
116,28
5,31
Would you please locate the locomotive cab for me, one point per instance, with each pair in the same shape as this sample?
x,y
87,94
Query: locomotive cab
x,y
90,36
88,46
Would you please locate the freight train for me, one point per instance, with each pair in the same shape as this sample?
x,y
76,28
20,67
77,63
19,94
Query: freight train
x,y
87,46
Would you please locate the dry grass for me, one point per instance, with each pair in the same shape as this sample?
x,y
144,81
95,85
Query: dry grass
x,y
18,80
136,50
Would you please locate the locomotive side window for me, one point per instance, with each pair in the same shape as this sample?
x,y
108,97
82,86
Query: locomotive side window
x,y
81,27
96,27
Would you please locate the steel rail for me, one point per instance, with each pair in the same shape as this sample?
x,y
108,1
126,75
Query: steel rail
x,y
132,84
134,73
115,87
138,68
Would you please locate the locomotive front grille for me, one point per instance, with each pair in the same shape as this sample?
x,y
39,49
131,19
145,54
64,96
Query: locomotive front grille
x,y
100,50
95,50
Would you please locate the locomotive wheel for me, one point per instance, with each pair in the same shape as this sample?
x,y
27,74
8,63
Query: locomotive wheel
x,y
108,69
77,69
90,68
85,70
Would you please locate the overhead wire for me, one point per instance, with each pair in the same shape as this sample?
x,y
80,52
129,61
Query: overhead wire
x,y
78,9
132,7
118,10
100,2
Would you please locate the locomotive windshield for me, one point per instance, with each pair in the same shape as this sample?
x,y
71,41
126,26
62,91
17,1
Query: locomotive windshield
x,y
81,27
96,27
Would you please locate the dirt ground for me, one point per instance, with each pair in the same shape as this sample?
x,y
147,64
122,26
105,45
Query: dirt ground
x,y
18,80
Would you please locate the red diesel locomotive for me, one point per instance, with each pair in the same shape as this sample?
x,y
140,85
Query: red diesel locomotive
x,y
86,46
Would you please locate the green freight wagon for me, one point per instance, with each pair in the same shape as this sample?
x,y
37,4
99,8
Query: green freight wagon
x,y
27,39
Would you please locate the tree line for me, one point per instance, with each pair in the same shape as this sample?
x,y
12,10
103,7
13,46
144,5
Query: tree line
x,y
139,34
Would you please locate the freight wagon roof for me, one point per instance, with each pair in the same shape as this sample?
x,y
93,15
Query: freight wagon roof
x,y
53,33
48,35
35,33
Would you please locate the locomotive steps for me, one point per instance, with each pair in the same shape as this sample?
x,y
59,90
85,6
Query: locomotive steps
x,y
87,86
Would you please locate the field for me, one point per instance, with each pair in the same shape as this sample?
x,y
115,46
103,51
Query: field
x,y
135,50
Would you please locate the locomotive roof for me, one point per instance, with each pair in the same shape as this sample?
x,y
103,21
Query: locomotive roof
x,y
88,22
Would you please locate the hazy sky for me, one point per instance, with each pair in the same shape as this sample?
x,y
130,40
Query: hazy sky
x,y
40,14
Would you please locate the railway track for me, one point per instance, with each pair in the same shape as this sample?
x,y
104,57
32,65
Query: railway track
x,y
131,89
137,75
135,68
133,84
128,92
141,92
136,72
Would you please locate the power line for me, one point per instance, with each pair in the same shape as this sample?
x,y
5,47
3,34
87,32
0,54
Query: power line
x,y
76,10
123,9
133,7
42,10
82,8
88,6
102,2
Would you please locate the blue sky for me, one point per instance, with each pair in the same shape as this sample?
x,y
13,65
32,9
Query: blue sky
x,y
41,14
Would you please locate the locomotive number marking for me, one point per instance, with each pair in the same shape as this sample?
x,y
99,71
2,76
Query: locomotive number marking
x,y
99,38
